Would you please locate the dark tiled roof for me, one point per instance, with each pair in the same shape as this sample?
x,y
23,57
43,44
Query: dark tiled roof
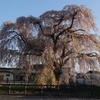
x,y
98,72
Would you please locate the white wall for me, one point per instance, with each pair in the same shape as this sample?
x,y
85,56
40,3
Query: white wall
x,y
7,75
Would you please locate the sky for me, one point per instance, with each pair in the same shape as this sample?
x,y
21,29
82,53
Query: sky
x,y
10,10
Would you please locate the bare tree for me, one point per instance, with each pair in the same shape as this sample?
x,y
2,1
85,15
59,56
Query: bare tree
x,y
61,39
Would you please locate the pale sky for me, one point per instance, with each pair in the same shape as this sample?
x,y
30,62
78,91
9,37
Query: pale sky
x,y
12,9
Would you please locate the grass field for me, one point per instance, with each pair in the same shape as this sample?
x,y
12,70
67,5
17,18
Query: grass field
x,y
61,90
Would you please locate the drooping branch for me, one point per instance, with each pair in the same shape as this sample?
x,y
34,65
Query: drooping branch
x,y
22,38
77,30
92,54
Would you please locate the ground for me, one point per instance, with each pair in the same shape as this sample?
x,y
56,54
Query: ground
x,y
23,97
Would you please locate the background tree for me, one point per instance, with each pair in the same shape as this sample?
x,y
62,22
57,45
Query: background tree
x,y
59,39
18,43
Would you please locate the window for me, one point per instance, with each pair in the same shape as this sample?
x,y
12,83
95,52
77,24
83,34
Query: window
x,y
7,74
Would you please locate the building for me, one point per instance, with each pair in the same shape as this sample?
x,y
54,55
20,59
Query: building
x,y
18,74
6,74
89,78
94,76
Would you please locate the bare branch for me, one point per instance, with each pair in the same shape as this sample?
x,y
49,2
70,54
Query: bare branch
x,y
60,20
68,28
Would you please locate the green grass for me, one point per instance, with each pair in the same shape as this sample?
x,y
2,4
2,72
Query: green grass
x,y
78,90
